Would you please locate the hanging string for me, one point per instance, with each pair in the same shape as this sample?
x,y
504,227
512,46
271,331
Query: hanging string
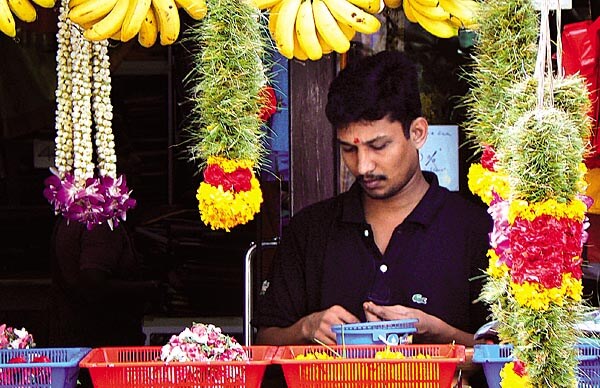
x,y
544,67
542,54
559,51
549,66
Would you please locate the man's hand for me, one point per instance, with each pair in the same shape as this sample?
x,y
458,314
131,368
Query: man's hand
x,y
430,328
317,326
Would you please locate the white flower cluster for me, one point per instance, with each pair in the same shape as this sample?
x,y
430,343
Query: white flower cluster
x,y
81,52
83,100
102,107
63,158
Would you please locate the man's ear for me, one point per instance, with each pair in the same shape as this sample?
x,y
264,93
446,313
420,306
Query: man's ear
x,y
419,129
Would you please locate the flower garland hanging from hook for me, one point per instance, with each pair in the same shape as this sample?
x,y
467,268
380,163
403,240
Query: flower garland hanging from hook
x,y
78,189
533,182
232,100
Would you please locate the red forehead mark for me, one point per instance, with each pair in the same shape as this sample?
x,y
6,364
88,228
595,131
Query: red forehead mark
x,y
356,140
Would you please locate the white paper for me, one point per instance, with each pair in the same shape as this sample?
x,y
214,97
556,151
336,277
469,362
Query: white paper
x,y
440,155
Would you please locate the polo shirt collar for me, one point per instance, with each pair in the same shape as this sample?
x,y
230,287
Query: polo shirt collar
x,y
424,213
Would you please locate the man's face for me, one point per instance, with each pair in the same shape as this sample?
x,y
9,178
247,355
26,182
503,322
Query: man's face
x,y
381,158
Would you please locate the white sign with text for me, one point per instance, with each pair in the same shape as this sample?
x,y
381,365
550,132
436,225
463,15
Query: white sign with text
x,y
440,155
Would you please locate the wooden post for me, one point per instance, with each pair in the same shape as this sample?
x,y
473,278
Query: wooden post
x,y
313,166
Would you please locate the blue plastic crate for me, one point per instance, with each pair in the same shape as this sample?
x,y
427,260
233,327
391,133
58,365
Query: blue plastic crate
x,y
371,333
493,358
60,372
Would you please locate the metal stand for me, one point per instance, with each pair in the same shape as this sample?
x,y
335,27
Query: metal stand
x,y
248,285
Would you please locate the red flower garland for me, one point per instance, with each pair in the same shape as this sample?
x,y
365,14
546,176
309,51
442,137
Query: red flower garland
x,y
269,100
488,158
236,181
544,249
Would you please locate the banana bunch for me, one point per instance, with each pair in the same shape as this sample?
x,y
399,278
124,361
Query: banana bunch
x,y
24,10
441,18
124,19
307,29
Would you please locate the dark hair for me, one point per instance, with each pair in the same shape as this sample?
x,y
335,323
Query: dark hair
x,y
371,88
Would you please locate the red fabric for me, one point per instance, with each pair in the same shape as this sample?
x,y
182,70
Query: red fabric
x,y
581,53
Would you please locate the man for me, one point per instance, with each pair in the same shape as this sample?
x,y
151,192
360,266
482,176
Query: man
x,y
396,245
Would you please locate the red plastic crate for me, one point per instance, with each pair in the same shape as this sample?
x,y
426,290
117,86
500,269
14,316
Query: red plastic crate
x,y
142,367
359,368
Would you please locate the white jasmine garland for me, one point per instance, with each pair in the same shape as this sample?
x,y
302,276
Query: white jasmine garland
x,y
63,158
81,95
83,101
102,107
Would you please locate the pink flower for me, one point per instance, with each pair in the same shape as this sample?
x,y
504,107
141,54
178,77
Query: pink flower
x,y
202,343
11,338
499,236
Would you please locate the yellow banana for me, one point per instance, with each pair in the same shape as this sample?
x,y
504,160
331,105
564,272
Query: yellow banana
x,y
346,12
168,20
328,27
23,9
439,28
148,30
409,12
7,20
273,14
284,30
90,24
195,8
347,30
464,10
460,24
325,47
298,52
306,32
116,35
75,3
392,3
110,24
433,13
371,6
136,13
91,10
45,3
427,3
265,4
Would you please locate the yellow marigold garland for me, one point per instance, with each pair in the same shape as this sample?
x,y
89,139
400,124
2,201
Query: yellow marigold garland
x,y
575,209
483,183
224,210
511,379
496,269
229,108
228,165
538,297
222,204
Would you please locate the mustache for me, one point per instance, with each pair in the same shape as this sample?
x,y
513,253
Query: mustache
x,y
370,177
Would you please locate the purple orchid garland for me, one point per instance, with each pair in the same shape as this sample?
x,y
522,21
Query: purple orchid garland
x,y
103,199
73,189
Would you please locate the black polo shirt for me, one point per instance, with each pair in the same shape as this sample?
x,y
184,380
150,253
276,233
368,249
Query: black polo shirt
x,y
328,256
